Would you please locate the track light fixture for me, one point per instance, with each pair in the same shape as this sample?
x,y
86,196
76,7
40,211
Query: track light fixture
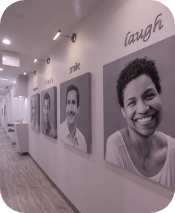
x,y
73,37
34,72
57,34
47,60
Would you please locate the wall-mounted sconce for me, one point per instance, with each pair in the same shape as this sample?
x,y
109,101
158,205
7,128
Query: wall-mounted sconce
x,y
47,60
34,72
73,37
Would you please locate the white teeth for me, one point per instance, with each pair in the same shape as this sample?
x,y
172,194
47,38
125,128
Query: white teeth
x,y
71,115
144,120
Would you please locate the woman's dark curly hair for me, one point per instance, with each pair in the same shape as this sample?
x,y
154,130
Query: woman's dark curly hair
x,y
133,70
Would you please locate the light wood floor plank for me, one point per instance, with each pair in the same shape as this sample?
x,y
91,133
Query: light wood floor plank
x,y
23,186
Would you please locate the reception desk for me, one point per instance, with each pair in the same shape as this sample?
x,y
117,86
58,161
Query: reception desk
x,y
21,136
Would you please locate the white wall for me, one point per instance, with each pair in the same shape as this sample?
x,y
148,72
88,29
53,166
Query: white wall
x,y
19,107
92,184
2,116
15,107
1,112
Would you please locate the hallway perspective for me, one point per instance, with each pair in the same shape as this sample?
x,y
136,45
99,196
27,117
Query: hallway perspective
x,y
23,186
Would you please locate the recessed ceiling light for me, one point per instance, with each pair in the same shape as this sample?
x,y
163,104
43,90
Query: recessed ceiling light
x,y
6,41
20,96
3,58
14,82
4,79
1,69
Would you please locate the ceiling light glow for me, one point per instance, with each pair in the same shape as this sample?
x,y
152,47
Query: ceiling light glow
x,y
6,41
14,82
1,69
3,79
12,58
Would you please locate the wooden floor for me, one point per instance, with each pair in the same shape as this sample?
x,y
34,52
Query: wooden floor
x,y
23,186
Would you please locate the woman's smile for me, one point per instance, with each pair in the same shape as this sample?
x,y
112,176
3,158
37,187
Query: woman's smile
x,y
146,119
142,105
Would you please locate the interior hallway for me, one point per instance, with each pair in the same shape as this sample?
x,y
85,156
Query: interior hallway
x,y
23,186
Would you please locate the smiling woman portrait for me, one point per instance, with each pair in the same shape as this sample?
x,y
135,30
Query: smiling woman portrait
x,y
138,147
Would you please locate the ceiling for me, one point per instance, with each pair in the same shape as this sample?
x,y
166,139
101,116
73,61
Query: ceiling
x,y
30,26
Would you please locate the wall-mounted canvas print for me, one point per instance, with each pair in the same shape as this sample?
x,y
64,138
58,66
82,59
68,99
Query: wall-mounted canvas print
x,y
35,112
49,112
4,110
75,112
139,112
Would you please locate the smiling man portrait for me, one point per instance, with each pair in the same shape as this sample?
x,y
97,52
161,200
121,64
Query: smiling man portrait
x,y
69,133
48,128
35,112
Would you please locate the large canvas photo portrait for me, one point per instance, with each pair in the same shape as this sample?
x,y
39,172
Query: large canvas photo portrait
x,y
139,112
75,113
49,112
35,112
